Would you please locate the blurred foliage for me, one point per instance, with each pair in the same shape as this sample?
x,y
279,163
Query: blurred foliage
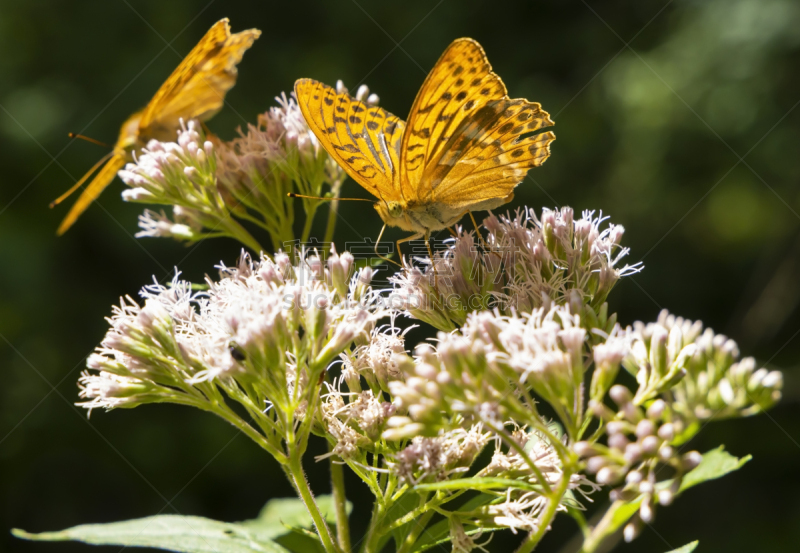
x,y
677,118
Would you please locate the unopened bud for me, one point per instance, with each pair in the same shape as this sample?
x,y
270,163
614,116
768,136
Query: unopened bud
x,y
650,445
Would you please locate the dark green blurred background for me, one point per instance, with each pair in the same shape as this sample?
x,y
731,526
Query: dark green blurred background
x,y
689,137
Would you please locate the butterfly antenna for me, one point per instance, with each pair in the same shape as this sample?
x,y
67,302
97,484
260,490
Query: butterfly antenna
x,y
293,195
87,139
83,179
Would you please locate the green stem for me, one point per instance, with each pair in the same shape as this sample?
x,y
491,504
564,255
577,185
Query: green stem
x,y
301,485
238,232
417,529
310,213
520,450
340,503
554,500
330,227
225,413
372,537
333,213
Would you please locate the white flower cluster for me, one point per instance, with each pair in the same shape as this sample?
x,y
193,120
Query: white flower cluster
x,y
182,174
526,263
488,370
267,327
433,459
717,384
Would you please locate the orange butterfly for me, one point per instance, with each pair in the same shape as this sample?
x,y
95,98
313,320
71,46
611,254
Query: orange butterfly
x,y
466,145
195,90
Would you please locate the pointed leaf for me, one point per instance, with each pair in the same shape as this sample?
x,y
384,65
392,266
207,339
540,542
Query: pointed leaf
x,y
280,518
186,534
715,464
291,512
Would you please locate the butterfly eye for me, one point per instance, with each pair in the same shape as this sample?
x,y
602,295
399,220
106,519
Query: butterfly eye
x,y
395,209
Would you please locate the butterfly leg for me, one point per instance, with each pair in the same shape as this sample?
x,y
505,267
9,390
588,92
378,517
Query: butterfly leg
x,y
427,237
430,254
384,257
409,239
480,236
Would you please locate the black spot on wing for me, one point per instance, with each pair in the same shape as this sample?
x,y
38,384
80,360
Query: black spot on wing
x,y
351,148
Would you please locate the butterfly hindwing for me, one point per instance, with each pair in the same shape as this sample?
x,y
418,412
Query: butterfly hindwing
x,y
197,87
363,139
460,84
490,153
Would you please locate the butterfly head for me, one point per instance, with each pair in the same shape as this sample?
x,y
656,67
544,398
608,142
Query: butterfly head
x,y
398,214
392,212
129,138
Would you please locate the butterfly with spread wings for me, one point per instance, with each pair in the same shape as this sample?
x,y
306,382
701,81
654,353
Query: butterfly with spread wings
x,y
195,90
465,147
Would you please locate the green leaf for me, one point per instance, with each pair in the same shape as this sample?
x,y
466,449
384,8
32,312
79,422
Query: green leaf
x,y
617,515
715,464
407,503
688,548
291,512
280,518
186,534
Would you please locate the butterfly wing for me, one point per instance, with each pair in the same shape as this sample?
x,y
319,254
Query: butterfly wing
x,y
489,154
197,87
462,125
195,90
364,140
102,179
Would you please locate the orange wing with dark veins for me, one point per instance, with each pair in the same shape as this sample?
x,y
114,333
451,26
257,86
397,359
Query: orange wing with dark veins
x,y
466,140
195,90
197,87
489,154
459,84
363,139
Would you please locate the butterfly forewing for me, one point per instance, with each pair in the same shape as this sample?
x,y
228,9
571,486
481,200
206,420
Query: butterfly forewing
x,y
363,139
195,90
197,87
461,83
